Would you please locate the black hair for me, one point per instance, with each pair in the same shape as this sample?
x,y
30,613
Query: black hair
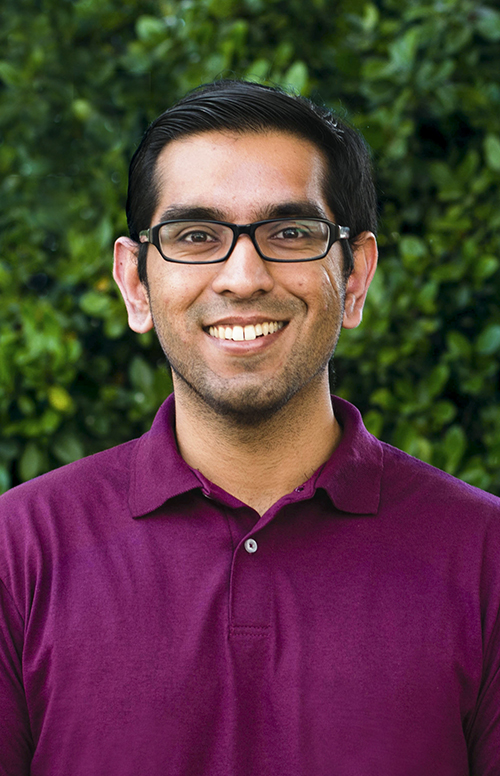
x,y
243,106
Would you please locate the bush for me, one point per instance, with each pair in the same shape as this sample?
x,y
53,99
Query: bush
x,y
81,80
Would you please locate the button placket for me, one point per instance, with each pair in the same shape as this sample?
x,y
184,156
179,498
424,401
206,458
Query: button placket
x,y
250,597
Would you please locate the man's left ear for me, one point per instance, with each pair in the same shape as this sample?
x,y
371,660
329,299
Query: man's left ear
x,y
365,263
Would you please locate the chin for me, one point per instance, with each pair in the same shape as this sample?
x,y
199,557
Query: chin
x,y
245,405
247,411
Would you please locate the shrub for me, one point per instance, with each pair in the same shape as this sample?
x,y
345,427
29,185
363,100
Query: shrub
x,y
79,83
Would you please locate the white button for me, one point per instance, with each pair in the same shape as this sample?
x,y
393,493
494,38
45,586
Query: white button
x,y
251,545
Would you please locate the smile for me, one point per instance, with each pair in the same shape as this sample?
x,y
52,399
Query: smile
x,y
250,332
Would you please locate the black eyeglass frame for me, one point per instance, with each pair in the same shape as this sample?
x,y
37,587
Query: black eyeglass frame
x,y
335,233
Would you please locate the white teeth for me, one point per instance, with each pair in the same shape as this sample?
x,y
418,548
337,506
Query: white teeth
x,y
249,332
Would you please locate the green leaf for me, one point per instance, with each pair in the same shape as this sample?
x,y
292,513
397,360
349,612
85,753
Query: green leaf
x,y
413,250
59,398
488,341
374,422
150,29
141,374
458,345
432,385
485,267
488,22
371,17
259,70
31,463
492,152
443,413
475,475
9,74
82,109
296,77
382,397
454,445
5,479
95,304
68,448
403,49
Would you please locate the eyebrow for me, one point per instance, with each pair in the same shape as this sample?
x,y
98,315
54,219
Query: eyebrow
x,y
301,209
199,213
304,209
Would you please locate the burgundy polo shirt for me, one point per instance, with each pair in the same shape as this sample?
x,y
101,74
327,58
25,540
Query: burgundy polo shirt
x,y
153,625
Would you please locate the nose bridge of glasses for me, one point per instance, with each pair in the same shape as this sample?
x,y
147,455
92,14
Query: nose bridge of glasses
x,y
243,273
244,229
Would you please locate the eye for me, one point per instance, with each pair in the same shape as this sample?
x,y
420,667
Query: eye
x,y
291,232
197,236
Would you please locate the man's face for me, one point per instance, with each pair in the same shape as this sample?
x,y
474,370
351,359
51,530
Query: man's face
x,y
241,179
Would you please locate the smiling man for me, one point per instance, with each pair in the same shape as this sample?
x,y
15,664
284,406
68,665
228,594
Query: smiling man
x,y
248,322
257,585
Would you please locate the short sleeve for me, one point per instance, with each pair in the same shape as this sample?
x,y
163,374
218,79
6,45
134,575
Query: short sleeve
x,y
15,737
483,736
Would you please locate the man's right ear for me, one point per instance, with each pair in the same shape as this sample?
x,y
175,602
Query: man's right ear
x,y
135,294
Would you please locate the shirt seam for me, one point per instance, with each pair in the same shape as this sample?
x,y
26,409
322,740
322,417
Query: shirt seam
x,y
224,509
12,599
132,482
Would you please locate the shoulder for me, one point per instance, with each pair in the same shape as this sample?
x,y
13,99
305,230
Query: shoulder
x,y
90,483
416,487
61,513
366,471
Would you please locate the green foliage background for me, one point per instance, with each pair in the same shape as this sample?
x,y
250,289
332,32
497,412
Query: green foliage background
x,y
79,82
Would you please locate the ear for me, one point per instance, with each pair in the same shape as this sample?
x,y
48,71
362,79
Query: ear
x,y
135,294
365,264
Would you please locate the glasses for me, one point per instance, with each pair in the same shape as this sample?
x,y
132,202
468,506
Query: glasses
x,y
279,239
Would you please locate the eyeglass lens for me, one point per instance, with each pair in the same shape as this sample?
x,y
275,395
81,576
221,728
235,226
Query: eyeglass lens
x,y
199,241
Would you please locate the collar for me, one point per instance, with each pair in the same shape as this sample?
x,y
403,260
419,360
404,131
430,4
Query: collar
x,y
158,471
351,477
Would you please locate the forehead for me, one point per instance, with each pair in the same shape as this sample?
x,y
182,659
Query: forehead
x,y
239,173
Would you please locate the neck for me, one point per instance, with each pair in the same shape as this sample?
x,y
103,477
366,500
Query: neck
x,y
261,463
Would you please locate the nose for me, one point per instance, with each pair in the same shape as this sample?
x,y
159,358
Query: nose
x,y
244,274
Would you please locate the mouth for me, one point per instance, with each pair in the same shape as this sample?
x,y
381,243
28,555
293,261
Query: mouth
x,y
244,333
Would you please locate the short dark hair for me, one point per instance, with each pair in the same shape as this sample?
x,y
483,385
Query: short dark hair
x,y
243,106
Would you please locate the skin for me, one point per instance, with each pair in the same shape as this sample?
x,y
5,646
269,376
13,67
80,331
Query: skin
x,y
255,417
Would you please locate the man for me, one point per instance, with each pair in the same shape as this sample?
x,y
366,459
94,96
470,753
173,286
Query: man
x,y
257,585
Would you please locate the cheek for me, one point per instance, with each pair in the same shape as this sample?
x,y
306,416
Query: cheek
x,y
318,288
333,285
328,298
175,290
306,282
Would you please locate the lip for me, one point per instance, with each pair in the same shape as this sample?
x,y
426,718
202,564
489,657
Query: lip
x,y
246,321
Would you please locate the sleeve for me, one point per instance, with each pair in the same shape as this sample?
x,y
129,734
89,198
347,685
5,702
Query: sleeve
x,y
484,742
484,733
15,738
